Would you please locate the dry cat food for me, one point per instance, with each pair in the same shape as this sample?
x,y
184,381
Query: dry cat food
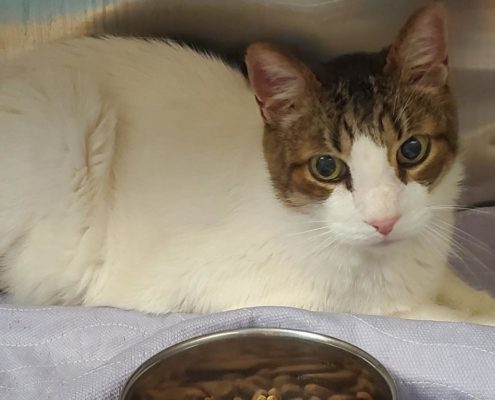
x,y
309,381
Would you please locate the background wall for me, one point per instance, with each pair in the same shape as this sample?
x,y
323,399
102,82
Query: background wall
x,y
316,28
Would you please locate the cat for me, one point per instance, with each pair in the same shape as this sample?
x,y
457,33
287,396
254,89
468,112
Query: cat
x,y
143,175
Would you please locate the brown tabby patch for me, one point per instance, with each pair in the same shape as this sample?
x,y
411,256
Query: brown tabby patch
x,y
363,94
355,97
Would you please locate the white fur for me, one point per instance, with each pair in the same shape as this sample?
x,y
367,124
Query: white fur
x,y
132,175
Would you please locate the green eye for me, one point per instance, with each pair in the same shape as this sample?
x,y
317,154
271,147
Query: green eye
x,y
327,168
413,151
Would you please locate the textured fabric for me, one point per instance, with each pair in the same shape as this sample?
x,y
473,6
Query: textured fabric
x,y
80,353
77,353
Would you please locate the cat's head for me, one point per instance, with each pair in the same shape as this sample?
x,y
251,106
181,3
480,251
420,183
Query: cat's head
x,y
368,143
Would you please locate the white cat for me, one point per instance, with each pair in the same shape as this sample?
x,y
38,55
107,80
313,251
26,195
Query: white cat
x,y
141,174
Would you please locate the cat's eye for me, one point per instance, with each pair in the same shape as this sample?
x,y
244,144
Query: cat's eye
x,y
327,168
413,151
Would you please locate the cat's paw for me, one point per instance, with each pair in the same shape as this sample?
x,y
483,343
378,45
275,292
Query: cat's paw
x,y
434,312
483,319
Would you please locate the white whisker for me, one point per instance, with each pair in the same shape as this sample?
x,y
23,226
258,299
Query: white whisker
x,y
312,238
464,251
313,222
467,236
460,208
433,235
304,232
453,253
429,236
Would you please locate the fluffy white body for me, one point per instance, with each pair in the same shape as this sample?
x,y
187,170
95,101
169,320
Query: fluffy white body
x,y
132,175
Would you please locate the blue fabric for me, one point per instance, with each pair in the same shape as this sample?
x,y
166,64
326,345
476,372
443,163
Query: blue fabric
x,y
80,353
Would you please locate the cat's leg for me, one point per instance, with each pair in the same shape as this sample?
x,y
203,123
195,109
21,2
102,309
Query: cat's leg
x,y
434,312
456,302
478,305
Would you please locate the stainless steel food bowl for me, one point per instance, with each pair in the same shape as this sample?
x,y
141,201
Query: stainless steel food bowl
x,y
238,364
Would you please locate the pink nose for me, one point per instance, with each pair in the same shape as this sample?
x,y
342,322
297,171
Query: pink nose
x,y
384,226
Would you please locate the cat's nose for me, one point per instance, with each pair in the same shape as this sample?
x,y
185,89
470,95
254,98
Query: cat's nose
x,y
384,226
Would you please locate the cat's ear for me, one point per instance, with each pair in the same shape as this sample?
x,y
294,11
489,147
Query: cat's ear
x,y
419,55
281,83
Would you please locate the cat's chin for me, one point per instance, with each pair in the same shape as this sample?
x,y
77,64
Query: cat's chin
x,y
380,245
386,242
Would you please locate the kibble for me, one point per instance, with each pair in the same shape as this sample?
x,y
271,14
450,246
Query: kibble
x,y
297,381
342,397
363,396
281,380
312,390
260,394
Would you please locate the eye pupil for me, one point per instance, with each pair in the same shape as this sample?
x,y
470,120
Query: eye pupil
x,y
326,165
326,168
411,149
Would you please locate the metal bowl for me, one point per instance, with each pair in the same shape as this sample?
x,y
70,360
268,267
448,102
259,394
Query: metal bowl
x,y
247,363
